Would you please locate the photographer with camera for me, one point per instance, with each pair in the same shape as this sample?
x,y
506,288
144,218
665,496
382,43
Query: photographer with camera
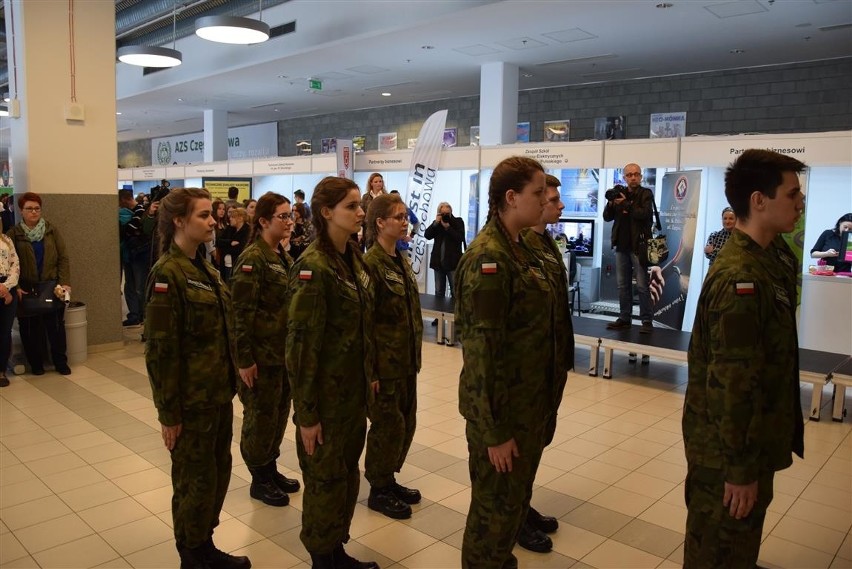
x,y
448,233
630,208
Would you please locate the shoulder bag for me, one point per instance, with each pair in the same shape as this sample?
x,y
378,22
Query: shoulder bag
x,y
40,299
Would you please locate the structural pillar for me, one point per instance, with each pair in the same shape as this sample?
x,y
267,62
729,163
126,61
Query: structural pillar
x,y
498,104
215,135
63,140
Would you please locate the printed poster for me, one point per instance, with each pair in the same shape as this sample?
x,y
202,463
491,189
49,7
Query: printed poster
x,y
345,158
556,131
303,148
474,136
359,143
451,137
523,132
412,142
328,146
387,141
610,128
668,125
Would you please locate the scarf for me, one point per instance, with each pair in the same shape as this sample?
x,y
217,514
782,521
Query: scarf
x,y
36,233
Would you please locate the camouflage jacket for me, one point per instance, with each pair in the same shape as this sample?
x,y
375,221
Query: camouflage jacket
x,y
398,320
330,351
190,351
548,253
260,284
504,310
742,412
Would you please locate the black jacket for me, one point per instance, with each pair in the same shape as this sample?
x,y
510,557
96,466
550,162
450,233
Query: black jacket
x,y
638,212
451,238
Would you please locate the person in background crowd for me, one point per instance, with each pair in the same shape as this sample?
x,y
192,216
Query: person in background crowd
x,y
828,245
143,199
507,393
331,365
301,236
191,362
631,211
375,187
448,232
10,271
399,336
233,240
7,213
260,288
299,196
233,194
413,223
718,238
250,206
42,256
534,530
135,255
742,414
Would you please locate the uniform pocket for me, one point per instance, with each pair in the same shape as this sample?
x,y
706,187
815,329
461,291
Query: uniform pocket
x,y
203,314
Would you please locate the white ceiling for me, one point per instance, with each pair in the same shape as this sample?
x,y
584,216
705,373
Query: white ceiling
x,y
361,48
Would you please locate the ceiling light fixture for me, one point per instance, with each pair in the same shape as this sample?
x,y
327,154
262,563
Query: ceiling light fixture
x,y
152,56
386,94
4,112
233,29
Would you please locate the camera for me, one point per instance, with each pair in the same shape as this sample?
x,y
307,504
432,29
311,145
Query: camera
x,y
445,217
161,191
615,192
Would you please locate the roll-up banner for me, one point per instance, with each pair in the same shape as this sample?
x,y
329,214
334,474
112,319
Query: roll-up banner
x,y
421,181
345,158
678,215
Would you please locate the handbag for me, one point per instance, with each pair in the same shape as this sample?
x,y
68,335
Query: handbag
x,y
658,248
40,299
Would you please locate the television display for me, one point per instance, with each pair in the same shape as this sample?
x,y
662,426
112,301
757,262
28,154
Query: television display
x,y
577,235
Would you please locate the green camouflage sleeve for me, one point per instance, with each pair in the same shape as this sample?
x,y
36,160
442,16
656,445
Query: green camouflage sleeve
x,y
163,349
736,362
482,307
245,292
307,318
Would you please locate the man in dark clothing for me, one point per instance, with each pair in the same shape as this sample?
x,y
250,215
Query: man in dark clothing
x,y
448,233
135,255
631,209
233,194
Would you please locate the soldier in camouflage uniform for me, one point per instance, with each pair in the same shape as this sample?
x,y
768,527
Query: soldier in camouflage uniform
x,y
331,364
260,284
399,337
190,357
505,310
536,526
742,417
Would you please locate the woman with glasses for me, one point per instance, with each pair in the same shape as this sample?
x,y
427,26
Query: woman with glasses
x,y
260,291
331,364
42,256
398,329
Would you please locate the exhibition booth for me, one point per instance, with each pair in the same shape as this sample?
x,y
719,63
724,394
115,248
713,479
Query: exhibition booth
x,y
686,174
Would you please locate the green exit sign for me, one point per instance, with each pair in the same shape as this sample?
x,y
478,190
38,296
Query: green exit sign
x,y
315,84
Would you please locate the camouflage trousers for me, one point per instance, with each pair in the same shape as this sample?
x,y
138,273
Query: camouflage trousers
x,y
201,471
265,410
332,481
393,418
499,501
713,537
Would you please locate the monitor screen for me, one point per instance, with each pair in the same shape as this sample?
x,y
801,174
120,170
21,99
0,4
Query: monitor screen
x,y
845,253
578,235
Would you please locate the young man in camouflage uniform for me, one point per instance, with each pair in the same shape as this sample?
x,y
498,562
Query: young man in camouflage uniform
x,y
742,417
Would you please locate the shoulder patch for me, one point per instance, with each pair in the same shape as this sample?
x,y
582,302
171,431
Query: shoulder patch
x,y
161,288
488,268
306,275
743,288
247,268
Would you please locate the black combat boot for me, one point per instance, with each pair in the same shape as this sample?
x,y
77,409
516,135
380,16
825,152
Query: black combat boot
x,y
546,524
343,560
384,501
322,561
511,562
286,485
534,540
407,495
217,559
192,558
264,488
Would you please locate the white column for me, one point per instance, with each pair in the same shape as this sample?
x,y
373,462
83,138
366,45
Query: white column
x,y
498,103
215,135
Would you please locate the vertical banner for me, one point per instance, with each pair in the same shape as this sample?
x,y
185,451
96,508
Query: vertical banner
x,y
678,215
345,158
421,182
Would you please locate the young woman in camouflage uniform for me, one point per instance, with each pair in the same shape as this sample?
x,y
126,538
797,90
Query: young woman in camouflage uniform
x,y
505,311
260,285
191,361
399,336
331,364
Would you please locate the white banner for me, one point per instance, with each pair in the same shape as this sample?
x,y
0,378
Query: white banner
x,y
244,142
421,181
345,158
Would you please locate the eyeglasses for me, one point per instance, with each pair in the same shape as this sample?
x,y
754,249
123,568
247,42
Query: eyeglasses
x,y
33,209
400,217
283,216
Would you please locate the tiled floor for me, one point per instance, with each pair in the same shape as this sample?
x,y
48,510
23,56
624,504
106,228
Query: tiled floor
x,y
84,478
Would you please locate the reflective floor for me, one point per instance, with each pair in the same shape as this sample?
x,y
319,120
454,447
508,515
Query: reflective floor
x,y
84,478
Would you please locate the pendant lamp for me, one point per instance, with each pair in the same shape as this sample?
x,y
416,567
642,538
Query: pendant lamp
x,y
152,56
233,29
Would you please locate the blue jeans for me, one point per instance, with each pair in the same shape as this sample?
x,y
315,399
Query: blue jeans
x,y
135,276
441,278
627,266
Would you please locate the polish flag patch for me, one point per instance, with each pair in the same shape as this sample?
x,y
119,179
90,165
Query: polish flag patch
x,y
247,268
745,288
306,275
161,288
488,268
